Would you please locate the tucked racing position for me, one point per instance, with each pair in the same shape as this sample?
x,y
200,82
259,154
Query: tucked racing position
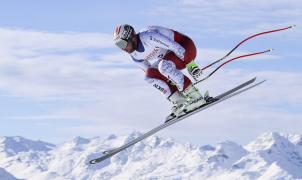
x,y
162,53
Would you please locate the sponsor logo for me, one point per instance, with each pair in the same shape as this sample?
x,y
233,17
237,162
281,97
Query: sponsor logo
x,y
158,41
160,88
153,53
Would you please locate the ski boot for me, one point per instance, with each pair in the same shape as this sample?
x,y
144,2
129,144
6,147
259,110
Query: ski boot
x,y
179,102
208,98
194,98
194,70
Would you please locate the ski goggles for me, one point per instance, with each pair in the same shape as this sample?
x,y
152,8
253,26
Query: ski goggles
x,y
121,43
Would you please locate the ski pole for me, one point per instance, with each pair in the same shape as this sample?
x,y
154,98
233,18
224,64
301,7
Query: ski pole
x,y
246,39
238,57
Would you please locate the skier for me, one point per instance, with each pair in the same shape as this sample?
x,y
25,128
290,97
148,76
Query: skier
x,y
162,53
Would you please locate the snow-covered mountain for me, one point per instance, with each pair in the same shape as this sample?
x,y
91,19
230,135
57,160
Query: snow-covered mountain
x,y
270,156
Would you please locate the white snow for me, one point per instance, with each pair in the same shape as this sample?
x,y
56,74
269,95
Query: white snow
x,y
270,156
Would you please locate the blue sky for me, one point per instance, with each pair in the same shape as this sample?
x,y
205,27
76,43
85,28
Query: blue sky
x,y
61,76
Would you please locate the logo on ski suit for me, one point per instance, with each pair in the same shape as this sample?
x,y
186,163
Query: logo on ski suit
x,y
153,53
160,88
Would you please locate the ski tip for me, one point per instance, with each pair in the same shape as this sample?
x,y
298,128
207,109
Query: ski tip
x,y
93,161
260,82
292,26
254,79
271,49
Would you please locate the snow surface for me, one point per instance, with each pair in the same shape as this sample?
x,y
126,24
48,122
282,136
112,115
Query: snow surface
x,y
270,156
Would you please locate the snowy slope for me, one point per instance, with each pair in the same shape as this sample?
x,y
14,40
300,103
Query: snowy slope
x,y
270,156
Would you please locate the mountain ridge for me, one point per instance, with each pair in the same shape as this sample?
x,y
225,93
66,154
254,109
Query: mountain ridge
x,y
272,155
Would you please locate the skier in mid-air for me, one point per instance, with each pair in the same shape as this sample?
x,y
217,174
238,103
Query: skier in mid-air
x,y
162,53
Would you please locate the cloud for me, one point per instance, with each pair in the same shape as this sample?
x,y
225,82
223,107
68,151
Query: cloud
x,y
39,40
209,17
37,64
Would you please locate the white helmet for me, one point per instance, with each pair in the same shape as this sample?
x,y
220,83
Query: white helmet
x,y
122,35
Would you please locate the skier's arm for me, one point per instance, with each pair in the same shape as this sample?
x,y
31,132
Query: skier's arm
x,y
163,41
143,64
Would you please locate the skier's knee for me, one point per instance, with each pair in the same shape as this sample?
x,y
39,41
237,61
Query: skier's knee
x,y
166,67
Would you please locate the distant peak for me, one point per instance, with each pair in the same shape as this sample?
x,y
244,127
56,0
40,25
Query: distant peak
x,y
80,140
15,144
268,140
230,148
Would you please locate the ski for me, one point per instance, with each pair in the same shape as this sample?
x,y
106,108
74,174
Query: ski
x,y
217,98
226,95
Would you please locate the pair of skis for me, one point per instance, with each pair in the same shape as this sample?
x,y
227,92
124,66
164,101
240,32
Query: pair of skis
x,y
226,95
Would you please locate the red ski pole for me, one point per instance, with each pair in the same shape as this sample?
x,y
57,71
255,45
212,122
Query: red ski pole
x,y
246,39
235,58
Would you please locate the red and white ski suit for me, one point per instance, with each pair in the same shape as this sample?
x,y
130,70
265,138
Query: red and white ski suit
x,y
162,53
